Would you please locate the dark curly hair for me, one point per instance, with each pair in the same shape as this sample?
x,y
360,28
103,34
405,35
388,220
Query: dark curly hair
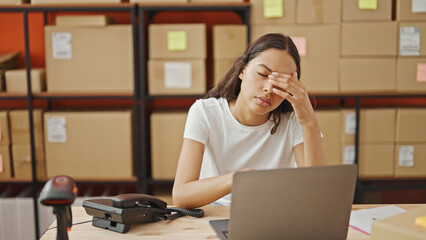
x,y
230,86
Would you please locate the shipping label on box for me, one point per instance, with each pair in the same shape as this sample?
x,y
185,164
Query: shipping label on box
x,y
409,41
177,75
410,160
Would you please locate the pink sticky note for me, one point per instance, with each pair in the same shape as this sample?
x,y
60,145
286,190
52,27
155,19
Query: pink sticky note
x,y
1,163
421,72
300,43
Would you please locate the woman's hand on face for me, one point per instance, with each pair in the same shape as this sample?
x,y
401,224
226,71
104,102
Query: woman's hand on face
x,y
288,87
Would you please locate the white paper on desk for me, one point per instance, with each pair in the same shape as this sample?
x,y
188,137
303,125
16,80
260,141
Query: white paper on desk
x,y
364,219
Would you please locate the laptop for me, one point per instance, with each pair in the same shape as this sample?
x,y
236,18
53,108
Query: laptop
x,y
294,203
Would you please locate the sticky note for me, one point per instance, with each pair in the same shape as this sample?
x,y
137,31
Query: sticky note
x,y
273,8
1,163
418,6
177,41
300,43
367,4
421,72
420,221
177,75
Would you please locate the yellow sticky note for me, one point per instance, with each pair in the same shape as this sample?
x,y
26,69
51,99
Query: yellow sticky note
x,y
273,8
177,41
420,221
367,4
421,72
300,43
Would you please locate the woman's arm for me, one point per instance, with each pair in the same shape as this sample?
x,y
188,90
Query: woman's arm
x,y
190,192
311,151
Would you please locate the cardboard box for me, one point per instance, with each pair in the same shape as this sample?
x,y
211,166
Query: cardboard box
x,y
410,160
73,1
404,11
272,12
376,160
217,1
22,166
16,80
377,125
177,41
400,227
409,33
369,39
5,162
89,145
353,11
176,76
322,12
411,75
166,143
410,125
329,122
367,75
87,20
315,43
89,59
4,128
229,41
20,128
221,68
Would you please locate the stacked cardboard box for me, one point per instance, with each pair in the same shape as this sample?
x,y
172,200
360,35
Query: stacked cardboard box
x,y
16,80
229,42
368,47
89,145
5,158
410,152
376,141
166,142
7,61
21,148
177,55
90,57
330,125
314,28
36,2
411,62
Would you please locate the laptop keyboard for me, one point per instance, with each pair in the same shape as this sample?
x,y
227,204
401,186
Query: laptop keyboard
x,y
225,233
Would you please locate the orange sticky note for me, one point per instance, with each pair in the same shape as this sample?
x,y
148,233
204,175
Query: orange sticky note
x,y
1,163
300,43
421,72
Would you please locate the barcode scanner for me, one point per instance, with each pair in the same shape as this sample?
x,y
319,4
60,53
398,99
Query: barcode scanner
x,y
60,192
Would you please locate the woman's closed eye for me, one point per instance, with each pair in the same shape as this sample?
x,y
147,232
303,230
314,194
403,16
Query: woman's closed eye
x,y
263,75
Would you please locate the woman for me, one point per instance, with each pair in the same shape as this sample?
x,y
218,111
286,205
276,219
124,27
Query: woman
x,y
259,117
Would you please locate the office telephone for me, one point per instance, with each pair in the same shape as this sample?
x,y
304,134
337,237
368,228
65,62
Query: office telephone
x,y
119,212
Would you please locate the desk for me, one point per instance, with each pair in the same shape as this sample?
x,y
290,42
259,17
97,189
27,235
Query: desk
x,y
181,228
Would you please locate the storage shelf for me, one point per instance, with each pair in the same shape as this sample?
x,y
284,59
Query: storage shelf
x,y
48,95
13,96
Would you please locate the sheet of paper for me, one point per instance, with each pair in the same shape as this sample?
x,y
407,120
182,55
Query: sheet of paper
x,y
273,8
301,45
349,154
57,129
363,219
421,72
409,41
177,41
406,156
418,6
350,123
61,45
367,4
177,75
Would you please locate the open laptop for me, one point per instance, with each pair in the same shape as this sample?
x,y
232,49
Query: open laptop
x,y
294,203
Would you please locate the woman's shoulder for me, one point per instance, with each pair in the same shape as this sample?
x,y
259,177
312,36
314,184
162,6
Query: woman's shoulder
x,y
209,102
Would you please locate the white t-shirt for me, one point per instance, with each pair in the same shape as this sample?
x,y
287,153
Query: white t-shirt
x,y
231,146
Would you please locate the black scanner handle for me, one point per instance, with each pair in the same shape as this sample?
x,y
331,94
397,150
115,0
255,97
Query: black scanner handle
x,y
132,200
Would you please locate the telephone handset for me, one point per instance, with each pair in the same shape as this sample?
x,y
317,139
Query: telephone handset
x,y
118,213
